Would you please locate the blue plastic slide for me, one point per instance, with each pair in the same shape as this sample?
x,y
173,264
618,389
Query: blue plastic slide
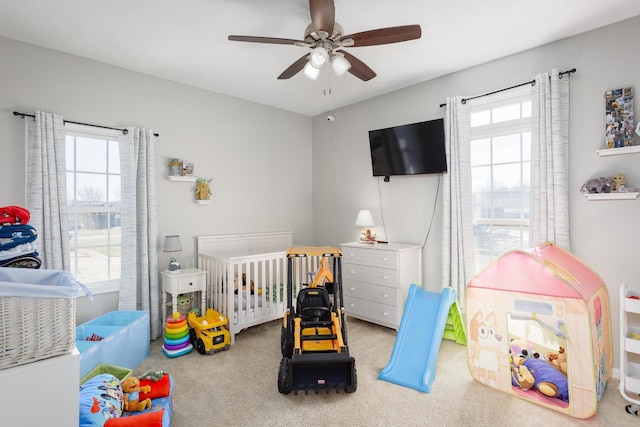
x,y
415,352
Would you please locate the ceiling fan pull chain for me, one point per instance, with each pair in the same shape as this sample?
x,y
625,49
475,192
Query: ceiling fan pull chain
x,y
329,81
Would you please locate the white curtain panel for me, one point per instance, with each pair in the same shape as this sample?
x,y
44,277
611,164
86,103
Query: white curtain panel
x,y
550,160
139,289
457,215
46,188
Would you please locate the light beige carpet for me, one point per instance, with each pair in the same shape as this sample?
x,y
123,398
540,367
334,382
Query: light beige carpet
x,y
239,388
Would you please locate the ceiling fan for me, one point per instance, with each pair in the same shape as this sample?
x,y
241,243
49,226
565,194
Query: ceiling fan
x,y
326,39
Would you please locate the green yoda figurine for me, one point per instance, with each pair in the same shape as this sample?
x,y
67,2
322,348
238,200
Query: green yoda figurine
x,y
203,191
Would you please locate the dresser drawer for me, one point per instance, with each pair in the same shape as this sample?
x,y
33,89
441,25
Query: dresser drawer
x,y
369,292
370,257
189,284
362,273
372,311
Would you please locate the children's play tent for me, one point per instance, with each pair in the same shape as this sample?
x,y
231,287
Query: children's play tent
x,y
543,299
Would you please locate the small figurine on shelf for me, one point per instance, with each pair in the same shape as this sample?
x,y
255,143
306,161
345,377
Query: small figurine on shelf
x,y
203,191
187,168
175,167
619,180
620,184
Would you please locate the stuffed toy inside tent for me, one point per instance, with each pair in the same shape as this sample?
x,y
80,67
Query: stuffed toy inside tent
x,y
538,326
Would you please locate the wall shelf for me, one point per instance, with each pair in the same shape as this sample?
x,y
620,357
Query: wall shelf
x,y
618,151
611,196
203,202
182,178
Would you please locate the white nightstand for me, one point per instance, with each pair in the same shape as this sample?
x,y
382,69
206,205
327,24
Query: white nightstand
x,y
184,281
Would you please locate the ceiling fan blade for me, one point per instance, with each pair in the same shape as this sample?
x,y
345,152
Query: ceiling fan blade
x,y
385,35
358,68
270,40
294,68
323,15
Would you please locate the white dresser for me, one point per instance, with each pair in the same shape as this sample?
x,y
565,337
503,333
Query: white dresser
x,y
376,280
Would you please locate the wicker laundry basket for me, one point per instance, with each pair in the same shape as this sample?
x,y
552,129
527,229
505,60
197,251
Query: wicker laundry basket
x,y
37,315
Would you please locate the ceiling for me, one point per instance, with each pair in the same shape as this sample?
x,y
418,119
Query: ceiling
x,y
186,41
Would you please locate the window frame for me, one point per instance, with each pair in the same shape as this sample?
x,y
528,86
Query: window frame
x,y
84,131
493,130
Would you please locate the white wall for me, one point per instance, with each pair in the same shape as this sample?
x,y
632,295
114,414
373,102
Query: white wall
x,y
605,235
251,151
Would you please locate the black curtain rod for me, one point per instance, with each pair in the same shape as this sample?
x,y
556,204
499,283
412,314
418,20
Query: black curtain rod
x,y
532,83
124,131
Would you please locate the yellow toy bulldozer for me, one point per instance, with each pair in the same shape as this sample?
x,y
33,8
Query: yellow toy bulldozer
x,y
315,354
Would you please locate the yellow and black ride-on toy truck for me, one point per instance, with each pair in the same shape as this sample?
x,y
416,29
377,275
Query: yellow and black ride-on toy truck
x,y
315,354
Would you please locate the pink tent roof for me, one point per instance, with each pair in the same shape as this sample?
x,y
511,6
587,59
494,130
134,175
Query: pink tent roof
x,y
546,269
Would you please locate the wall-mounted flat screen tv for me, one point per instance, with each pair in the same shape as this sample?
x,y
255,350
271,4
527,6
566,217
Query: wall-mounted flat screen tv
x,y
412,149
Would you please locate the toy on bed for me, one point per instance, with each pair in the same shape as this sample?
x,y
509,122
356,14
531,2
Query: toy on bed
x,y
132,389
244,285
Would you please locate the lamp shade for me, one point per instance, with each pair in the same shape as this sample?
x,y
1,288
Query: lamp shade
x,y
364,219
311,72
172,243
340,65
319,57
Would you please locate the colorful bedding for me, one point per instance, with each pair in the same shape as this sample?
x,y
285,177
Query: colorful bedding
x,y
101,403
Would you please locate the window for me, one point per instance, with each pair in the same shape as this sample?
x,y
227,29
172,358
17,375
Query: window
x,y
93,196
500,174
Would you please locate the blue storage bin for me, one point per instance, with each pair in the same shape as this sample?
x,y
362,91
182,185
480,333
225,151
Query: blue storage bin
x,y
137,325
114,345
90,355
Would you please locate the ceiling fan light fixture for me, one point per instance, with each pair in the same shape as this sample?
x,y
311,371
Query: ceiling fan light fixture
x,y
340,65
319,57
311,72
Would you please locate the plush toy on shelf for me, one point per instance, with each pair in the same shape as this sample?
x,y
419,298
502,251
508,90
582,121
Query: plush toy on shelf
x,y
598,185
203,190
132,389
619,180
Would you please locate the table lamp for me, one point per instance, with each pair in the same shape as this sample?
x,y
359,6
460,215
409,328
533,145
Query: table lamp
x,y
365,220
172,244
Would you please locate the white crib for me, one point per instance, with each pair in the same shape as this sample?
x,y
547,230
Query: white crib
x,y
257,260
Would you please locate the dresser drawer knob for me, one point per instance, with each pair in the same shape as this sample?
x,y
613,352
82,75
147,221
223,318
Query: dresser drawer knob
x,y
385,314
385,259
352,305
385,296
352,272
352,288
385,277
